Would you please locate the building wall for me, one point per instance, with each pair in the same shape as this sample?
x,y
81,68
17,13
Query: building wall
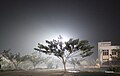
x,y
105,52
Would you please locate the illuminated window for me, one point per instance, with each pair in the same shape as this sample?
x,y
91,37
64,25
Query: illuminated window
x,y
105,52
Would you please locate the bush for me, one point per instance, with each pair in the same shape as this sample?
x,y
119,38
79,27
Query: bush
x,y
115,69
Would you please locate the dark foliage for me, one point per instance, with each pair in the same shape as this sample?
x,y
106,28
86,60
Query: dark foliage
x,y
64,50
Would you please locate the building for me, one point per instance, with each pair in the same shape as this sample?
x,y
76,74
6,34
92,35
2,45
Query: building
x,y
105,52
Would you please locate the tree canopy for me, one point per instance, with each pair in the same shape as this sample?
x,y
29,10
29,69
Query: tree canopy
x,y
16,59
64,50
36,59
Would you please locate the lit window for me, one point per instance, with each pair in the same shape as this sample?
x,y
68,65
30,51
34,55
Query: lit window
x,y
105,52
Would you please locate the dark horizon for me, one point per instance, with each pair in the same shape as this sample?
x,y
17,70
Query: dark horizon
x,y
24,23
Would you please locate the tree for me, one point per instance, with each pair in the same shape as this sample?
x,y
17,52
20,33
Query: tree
x,y
0,61
16,59
50,65
36,59
19,59
65,50
75,61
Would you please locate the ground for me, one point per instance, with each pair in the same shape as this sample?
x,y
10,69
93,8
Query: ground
x,y
53,73
34,73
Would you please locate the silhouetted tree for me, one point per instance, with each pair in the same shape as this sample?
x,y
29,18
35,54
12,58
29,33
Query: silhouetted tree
x,y
75,61
36,59
16,59
65,50
19,59
50,65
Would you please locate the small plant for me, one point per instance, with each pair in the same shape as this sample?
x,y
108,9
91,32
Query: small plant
x,y
115,69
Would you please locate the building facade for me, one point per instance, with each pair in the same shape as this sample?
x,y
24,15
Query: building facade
x,y
105,53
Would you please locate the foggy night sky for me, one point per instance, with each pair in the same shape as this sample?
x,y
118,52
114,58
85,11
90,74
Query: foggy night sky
x,y
24,23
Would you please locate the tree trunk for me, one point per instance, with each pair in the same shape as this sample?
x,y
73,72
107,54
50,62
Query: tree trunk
x,y
64,63
15,65
0,66
74,66
34,66
64,66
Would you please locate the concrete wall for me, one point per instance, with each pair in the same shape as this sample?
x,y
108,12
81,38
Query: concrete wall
x,y
105,46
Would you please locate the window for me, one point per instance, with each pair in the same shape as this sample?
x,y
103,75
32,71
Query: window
x,y
105,52
114,52
119,54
